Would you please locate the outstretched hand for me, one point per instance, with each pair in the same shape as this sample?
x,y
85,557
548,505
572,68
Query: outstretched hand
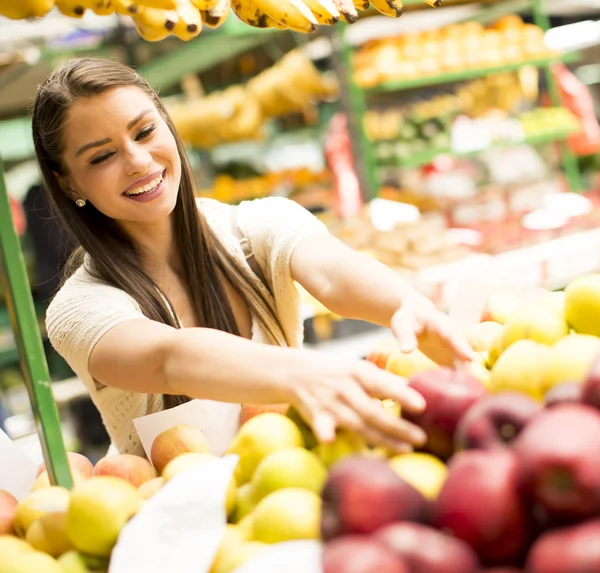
x,y
419,324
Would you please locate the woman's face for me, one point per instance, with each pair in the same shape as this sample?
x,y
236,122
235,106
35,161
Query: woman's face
x,y
121,156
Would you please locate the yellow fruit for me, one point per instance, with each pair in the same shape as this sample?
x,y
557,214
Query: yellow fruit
x,y
38,503
149,488
520,368
407,364
259,437
310,441
10,544
76,562
482,335
49,534
478,369
232,560
501,307
345,444
290,467
43,480
496,349
29,562
244,502
582,304
232,539
540,323
246,527
100,507
423,471
287,514
570,359
556,300
190,460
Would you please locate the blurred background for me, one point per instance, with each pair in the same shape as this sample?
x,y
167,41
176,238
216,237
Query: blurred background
x,y
458,145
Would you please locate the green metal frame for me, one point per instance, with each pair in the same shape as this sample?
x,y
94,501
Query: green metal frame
x,y
358,95
19,301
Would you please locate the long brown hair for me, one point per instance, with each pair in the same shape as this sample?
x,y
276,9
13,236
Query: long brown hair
x,y
113,256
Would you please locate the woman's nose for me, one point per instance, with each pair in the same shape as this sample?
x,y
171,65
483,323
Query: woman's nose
x,y
138,160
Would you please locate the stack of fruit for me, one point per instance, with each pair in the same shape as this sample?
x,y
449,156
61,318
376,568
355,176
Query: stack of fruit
x,y
454,48
238,113
157,19
521,488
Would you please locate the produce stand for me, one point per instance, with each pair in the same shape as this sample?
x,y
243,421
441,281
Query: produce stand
x,y
358,97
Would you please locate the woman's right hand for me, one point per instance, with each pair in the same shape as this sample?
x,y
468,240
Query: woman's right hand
x,y
335,393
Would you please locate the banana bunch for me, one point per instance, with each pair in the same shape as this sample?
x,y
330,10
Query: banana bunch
x,y
291,85
222,117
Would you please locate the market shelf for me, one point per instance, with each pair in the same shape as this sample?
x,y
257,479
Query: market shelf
x,y
420,159
469,74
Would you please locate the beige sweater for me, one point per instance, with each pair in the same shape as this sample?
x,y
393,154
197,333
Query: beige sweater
x,y
85,309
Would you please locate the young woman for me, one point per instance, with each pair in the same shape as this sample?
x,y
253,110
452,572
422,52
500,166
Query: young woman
x,y
162,303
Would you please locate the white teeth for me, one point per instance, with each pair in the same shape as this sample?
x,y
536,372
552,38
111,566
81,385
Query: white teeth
x,y
146,188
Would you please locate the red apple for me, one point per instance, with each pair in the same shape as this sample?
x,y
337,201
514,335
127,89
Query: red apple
x,y
449,394
572,549
134,469
359,554
174,442
559,461
363,494
495,421
590,392
382,352
561,393
77,462
427,550
480,504
8,508
250,411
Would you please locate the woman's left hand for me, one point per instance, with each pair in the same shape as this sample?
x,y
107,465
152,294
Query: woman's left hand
x,y
419,324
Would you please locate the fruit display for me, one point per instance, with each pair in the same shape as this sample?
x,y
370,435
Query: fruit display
x,y
239,113
453,48
508,471
155,20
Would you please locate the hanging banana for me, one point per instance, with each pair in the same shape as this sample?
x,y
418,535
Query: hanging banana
x,y
434,3
160,4
216,16
249,14
125,7
347,10
73,8
205,4
294,14
361,5
391,8
324,11
102,7
189,23
21,9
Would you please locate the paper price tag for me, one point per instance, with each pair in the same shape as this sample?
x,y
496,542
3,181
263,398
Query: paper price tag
x,y
291,556
18,471
181,526
219,422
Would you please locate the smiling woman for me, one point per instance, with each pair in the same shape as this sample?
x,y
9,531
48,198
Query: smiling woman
x,y
161,304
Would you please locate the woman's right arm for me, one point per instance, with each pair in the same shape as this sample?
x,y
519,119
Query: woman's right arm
x,y
149,357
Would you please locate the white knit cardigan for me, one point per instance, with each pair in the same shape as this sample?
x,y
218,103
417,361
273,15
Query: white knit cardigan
x,y
85,309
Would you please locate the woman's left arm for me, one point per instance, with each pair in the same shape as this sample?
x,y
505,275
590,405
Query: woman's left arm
x,y
354,285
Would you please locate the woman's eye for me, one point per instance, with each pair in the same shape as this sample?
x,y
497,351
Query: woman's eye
x,y
144,133
98,160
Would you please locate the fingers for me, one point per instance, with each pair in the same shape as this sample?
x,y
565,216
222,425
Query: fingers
x,y
322,423
382,384
403,327
379,423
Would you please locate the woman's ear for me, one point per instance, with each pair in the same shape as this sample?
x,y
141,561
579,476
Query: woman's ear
x,y
65,185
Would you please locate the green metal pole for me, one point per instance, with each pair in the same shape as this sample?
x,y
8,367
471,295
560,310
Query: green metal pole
x,y
569,159
15,284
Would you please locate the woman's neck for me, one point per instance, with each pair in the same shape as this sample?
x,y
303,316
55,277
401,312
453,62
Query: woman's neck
x,y
156,244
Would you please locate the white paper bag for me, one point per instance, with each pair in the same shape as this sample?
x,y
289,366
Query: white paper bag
x,y
181,527
217,420
17,474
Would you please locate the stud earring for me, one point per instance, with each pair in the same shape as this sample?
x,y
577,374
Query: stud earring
x,y
80,202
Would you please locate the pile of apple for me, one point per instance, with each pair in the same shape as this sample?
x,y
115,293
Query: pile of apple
x,y
521,446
